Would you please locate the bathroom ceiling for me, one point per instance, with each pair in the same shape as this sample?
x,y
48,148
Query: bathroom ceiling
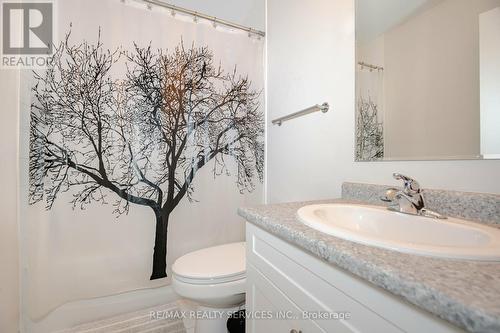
x,y
374,17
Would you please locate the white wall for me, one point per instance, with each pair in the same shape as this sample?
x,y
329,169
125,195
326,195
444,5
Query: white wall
x,y
9,249
249,13
311,60
489,28
432,80
376,17
372,52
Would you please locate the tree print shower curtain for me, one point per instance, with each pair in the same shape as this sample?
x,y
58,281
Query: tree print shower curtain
x,y
145,135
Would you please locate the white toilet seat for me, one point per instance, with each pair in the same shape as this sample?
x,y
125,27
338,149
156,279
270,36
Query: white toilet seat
x,y
219,263
212,281
213,276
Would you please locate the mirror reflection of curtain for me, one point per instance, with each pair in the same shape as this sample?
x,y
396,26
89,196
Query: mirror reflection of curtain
x,y
369,114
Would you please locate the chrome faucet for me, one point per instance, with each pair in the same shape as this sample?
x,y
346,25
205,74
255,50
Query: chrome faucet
x,y
410,200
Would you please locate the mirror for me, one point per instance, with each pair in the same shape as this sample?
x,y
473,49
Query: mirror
x,y
427,79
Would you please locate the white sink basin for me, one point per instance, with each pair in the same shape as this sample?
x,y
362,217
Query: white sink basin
x,y
376,226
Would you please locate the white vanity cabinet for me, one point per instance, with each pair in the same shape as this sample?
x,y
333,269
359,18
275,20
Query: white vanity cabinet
x,y
291,291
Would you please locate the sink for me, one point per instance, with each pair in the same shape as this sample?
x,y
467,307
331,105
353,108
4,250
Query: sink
x,y
377,226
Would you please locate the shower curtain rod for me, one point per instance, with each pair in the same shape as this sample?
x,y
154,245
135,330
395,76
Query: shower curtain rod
x,y
370,66
196,14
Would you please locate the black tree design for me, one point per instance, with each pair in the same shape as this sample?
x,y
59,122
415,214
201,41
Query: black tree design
x,y
369,132
141,138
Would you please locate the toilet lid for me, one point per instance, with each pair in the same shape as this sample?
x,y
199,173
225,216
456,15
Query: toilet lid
x,y
213,263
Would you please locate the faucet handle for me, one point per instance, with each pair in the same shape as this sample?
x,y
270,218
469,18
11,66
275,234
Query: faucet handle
x,y
411,186
390,195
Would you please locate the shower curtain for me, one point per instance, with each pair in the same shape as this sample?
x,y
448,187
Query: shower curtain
x,y
142,139
369,114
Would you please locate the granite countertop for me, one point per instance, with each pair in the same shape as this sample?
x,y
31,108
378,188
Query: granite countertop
x,y
464,293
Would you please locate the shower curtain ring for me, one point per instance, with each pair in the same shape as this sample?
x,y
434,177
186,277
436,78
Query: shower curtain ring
x,y
214,23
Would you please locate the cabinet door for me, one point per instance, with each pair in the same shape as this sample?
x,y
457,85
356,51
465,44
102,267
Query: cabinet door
x,y
317,287
269,310
310,292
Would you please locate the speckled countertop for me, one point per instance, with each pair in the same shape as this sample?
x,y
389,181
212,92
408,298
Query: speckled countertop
x,y
465,293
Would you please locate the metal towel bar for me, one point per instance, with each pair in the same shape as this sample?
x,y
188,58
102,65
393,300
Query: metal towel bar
x,y
323,108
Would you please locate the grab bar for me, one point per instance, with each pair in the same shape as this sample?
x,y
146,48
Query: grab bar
x,y
323,108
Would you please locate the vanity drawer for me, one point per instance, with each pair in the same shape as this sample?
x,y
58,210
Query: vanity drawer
x,y
311,293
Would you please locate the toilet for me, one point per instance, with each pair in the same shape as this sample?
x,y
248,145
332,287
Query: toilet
x,y
214,278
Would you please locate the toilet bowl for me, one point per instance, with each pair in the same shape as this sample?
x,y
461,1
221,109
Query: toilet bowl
x,y
214,278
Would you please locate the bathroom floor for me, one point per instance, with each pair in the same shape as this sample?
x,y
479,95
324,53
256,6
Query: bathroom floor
x,y
159,319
